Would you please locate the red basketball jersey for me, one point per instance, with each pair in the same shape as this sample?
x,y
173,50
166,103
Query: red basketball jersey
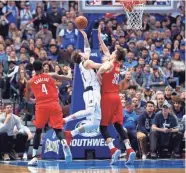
x,y
110,81
44,89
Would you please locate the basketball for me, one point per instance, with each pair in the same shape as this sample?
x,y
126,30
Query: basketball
x,y
81,22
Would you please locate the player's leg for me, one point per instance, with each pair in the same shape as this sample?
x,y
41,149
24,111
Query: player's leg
x,y
41,118
93,122
88,98
36,143
106,119
118,121
56,120
92,104
78,115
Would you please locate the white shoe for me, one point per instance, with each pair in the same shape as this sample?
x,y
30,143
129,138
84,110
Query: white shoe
x,y
144,157
67,153
25,157
115,157
33,162
33,169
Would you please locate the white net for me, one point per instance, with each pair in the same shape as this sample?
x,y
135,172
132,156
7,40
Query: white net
x,y
134,12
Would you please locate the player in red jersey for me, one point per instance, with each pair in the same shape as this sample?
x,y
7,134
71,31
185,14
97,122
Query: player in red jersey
x,y
111,107
48,109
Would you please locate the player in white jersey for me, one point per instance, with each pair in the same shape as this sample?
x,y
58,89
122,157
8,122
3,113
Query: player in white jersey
x,y
91,93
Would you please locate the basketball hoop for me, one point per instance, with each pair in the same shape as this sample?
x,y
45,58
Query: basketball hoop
x,y
134,11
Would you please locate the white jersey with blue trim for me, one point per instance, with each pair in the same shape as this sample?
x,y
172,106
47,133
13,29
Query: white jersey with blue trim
x,y
89,77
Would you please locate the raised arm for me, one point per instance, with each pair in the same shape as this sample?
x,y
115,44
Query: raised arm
x,y
62,77
87,49
103,46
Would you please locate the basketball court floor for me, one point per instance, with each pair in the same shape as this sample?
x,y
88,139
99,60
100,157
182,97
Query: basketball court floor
x,y
94,166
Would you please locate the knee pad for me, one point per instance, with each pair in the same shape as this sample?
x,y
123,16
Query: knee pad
x,y
37,138
38,131
104,132
121,131
59,134
92,125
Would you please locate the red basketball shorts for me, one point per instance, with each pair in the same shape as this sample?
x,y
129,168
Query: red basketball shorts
x,y
111,109
49,113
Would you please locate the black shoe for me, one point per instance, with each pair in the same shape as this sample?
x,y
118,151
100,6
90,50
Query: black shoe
x,y
13,155
153,156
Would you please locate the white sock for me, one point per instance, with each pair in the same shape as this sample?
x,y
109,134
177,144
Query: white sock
x,y
75,132
110,145
34,153
127,145
63,142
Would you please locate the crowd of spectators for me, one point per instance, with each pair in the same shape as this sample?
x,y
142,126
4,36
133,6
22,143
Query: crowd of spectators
x,y
152,79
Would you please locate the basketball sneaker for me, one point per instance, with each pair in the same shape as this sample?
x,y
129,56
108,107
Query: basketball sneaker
x,y
131,155
68,137
67,153
33,162
115,154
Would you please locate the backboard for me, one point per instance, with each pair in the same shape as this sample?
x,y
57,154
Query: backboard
x,y
112,6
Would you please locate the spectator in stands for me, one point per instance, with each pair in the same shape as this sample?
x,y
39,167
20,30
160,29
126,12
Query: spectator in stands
x,y
130,123
131,91
130,61
169,75
45,34
65,55
3,56
40,18
23,136
25,15
182,50
178,108
11,11
54,19
3,26
139,110
165,57
139,77
39,46
68,36
156,78
178,67
165,133
14,31
53,53
62,25
7,122
126,82
148,94
168,92
144,127
147,75
160,99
